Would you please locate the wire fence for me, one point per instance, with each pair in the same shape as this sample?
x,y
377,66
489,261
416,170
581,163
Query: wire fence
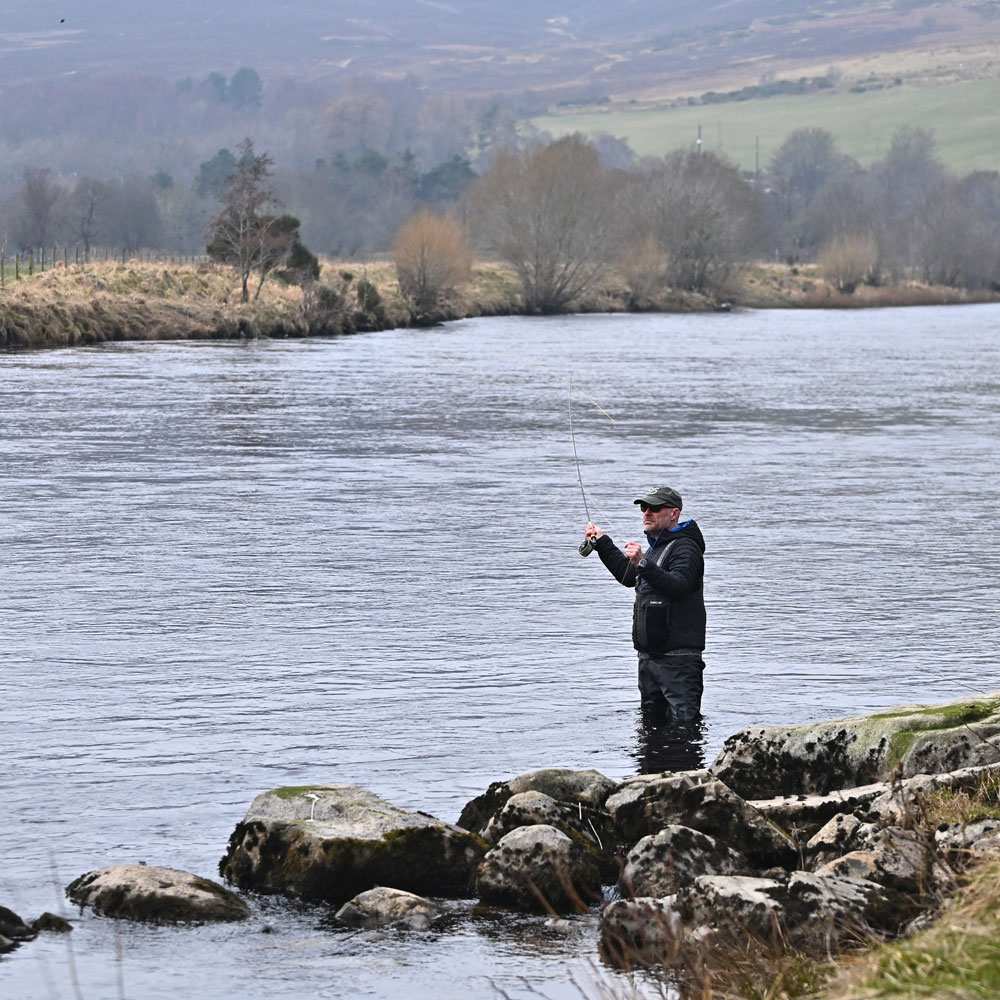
x,y
21,265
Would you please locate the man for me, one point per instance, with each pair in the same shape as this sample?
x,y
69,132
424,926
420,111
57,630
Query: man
x,y
668,621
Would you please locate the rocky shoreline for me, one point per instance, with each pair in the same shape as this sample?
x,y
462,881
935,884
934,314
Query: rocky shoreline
x,y
813,838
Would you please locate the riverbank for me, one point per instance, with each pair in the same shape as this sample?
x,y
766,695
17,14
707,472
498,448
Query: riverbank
x,y
95,303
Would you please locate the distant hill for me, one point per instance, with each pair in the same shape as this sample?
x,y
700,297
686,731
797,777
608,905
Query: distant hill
x,y
574,46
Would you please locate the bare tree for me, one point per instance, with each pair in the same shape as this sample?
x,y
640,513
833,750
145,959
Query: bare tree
x,y
910,179
86,202
244,233
704,215
39,195
431,258
801,165
552,214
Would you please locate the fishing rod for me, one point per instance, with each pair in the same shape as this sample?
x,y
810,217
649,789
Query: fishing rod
x,y
587,545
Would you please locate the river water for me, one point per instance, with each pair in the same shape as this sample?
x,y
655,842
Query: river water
x,y
232,566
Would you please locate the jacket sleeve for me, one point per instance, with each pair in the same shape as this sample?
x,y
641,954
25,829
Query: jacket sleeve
x,y
683,570
617,562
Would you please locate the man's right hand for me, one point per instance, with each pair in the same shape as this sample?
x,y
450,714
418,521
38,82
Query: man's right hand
x,y
592,531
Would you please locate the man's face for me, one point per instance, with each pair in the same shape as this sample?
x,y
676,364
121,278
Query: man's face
x,y
657,519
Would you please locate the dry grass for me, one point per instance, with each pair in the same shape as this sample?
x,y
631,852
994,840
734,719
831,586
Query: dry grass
x,y
958,958
87,304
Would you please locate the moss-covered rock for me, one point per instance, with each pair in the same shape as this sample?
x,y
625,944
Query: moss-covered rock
x,y
918,739
332,842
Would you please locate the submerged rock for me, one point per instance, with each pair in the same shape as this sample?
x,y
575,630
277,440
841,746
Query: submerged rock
x,y
53,923
770,761
332,842
539,868
155,895
13,930
385,907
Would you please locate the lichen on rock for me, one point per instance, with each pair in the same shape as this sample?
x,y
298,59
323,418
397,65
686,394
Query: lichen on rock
x,y
331,842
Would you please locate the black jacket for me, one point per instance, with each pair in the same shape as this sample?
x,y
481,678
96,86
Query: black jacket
x,y
669,611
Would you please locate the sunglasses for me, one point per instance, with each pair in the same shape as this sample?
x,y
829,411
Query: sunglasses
x,y
648,506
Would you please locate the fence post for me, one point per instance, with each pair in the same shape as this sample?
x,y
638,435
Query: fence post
x,y
31,262
17,267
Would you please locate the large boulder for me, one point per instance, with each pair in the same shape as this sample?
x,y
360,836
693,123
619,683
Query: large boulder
x,y
660,864
155,895
645,805
817,914
384,907
587,791
896,858
769,761
539,868
805,815
331,842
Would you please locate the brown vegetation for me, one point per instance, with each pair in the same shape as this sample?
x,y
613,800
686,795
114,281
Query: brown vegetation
x,y
88,304
432,260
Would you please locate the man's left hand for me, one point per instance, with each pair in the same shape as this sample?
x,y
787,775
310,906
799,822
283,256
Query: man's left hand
x,y
634,552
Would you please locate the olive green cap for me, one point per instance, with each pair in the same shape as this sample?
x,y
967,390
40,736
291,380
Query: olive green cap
x,y
661,496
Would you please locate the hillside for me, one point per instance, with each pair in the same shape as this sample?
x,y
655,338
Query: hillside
x,y
637,48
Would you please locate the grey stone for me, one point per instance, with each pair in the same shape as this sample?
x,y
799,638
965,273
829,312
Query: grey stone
x,y
961,843
534,808
659,864
642,807
641,931
842,834
897,859
332,842
383,907
787,760
902,801
13,930
539,868
815,913
804,815
155,895
53,923
587,789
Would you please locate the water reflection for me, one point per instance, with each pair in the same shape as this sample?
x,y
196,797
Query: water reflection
x,y
669,746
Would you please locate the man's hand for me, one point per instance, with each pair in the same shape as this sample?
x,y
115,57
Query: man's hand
x,y
592,531
634,552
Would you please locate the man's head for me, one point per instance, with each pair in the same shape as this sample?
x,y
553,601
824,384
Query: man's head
x,y
661,509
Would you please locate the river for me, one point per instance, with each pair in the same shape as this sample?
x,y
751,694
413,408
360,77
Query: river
x,y
232,566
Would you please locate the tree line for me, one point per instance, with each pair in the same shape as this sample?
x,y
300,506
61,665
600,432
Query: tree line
x,y
566,215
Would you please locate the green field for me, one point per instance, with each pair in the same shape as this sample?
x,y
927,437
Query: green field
x,y
965,118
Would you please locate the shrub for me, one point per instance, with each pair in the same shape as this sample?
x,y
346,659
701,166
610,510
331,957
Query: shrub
x,y
431,259
848,261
